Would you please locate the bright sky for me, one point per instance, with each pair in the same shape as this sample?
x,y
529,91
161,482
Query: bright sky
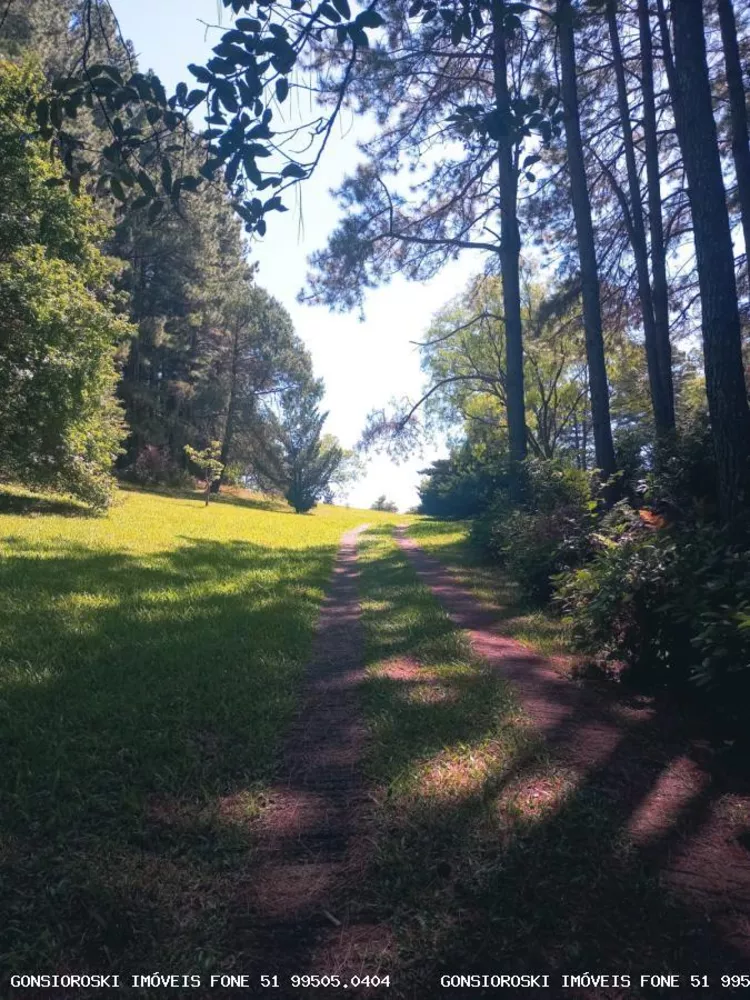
x,y
363,364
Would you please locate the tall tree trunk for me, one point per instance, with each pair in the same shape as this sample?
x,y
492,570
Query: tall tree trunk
x,y
725,383
738,111
660,288
510,252
226,443
662,406
592,312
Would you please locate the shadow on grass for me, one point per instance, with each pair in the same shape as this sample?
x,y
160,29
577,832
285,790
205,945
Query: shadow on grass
x,y
494,854
275,506
142,703
28,503
522,619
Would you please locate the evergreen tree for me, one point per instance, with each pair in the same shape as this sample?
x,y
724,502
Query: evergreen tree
x,y
293,457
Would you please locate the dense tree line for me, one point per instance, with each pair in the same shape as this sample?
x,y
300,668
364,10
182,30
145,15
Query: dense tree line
x,y
596,153
474,94
60,424
458,99
172,316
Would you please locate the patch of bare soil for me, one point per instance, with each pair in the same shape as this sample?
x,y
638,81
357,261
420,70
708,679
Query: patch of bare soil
x,y
300,912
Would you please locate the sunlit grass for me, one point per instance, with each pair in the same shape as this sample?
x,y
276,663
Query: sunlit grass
x,y
540,628
150,661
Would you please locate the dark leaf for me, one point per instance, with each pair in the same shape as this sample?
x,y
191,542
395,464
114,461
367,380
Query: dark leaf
x,y
232,168
329,12
200,73
282,88
274,205
294,170
147,185
155,211
358,36
369,19
195,97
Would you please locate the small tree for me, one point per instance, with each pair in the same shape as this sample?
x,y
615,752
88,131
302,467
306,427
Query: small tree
x,y
382,504
209,464
292,456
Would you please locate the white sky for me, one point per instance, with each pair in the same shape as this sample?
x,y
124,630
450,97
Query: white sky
x,y
363,364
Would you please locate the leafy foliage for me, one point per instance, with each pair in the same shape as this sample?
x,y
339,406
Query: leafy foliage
x,y
59,422
544,534
672,603
209,463
250,74
460,486
382,503
155,466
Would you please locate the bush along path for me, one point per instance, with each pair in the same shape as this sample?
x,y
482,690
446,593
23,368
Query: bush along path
x,y
298,914
685,825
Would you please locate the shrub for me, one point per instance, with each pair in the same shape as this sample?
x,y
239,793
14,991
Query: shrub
x,y
547,533
684,478
461,486
673,604
383,504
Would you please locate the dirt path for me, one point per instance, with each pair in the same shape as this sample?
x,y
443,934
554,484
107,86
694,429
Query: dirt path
x,y
312,840
690,822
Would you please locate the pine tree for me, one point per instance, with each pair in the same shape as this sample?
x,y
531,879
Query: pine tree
x,y
590,290
725,382
293,457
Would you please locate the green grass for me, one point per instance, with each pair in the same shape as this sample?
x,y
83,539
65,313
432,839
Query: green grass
x,y
149,663
449,542
489,855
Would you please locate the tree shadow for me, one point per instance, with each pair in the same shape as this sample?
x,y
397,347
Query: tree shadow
x,y
498,850
31,504
142,704
270,504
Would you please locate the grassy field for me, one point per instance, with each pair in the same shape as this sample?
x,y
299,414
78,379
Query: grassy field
x,y
489,853
149,662
449,542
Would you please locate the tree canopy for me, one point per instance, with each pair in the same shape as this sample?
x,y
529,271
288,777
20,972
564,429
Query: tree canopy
x,y
61,325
